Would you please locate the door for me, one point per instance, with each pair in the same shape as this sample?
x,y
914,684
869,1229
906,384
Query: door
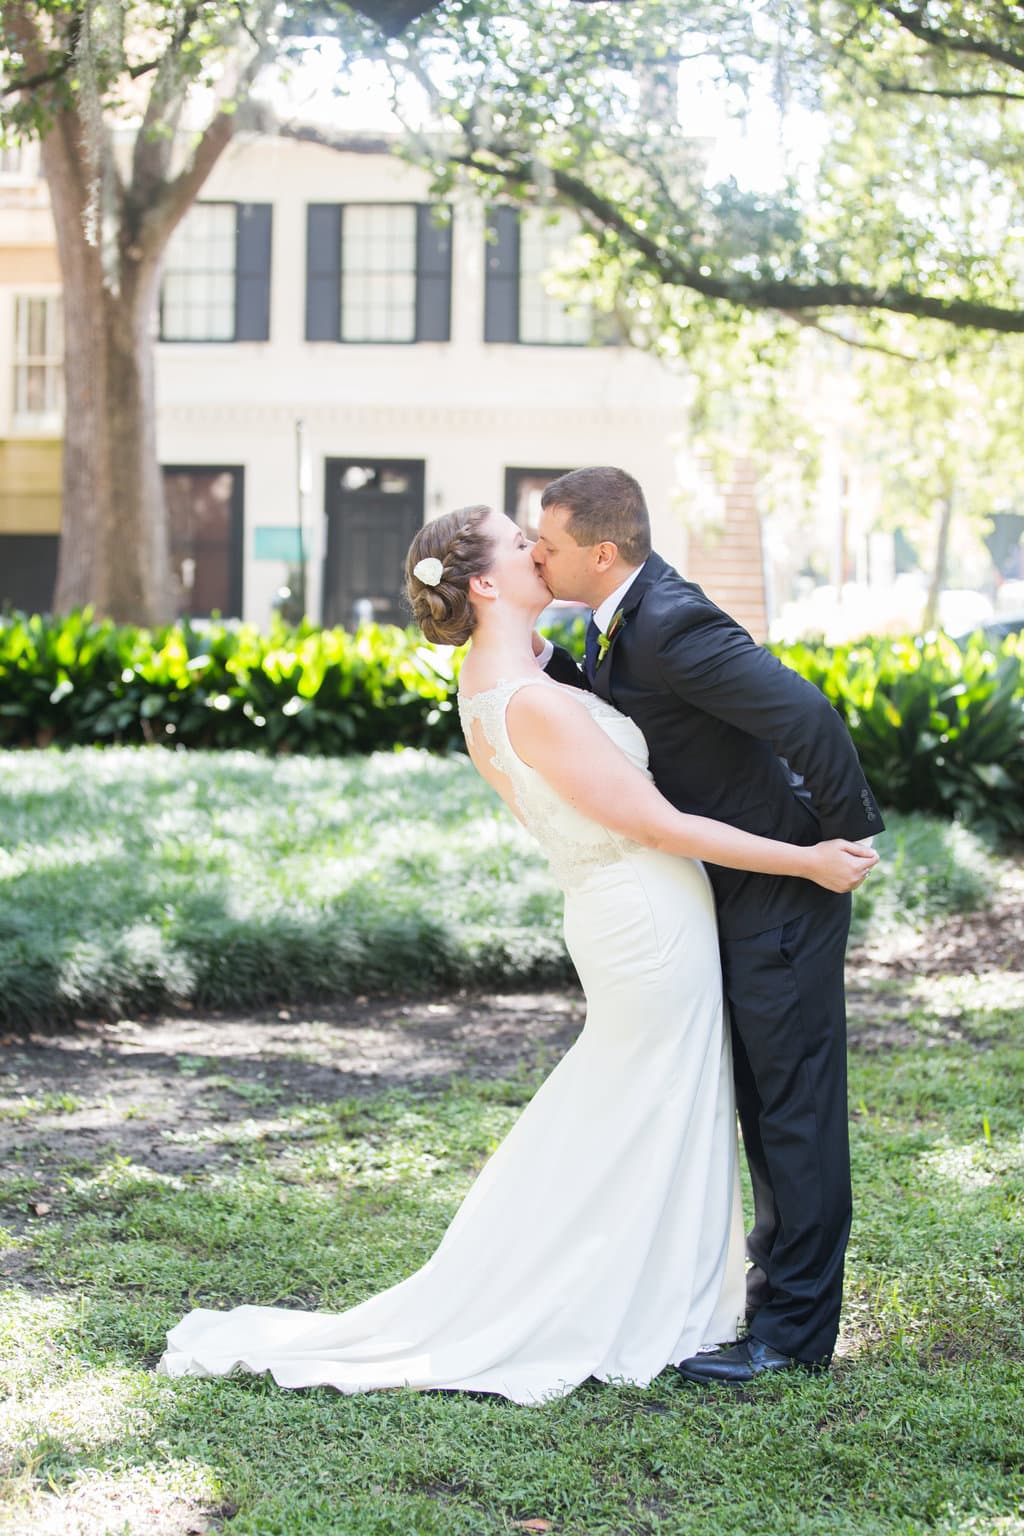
x,y
28,571
523,490
374,507
205,522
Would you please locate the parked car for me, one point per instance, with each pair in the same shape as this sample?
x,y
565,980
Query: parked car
x,y
994,629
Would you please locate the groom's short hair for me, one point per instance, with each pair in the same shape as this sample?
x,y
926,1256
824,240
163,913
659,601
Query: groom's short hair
x,y
603,503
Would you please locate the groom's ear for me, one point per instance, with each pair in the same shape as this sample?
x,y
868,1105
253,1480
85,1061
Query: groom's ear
x,y
607,553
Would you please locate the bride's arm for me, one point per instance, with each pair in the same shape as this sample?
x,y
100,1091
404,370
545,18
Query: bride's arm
x,y
558,737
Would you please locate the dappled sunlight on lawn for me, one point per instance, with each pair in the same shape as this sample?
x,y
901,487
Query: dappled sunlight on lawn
x,y
224,879
89,1408
988,1524
72,1430
996,991
174,1497
325,1202
69,852
982,1164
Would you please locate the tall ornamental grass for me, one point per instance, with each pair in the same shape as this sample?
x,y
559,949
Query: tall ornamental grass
x,y
134,881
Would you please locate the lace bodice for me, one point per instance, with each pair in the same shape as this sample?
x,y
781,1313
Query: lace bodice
x,y
575,845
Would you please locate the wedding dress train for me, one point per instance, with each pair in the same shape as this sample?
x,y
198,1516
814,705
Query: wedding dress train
x,y
603,1237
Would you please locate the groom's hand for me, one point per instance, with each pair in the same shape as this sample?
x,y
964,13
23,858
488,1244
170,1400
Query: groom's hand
x,y
840,865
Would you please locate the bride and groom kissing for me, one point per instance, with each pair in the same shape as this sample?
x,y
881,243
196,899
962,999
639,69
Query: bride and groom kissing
x,y
704,811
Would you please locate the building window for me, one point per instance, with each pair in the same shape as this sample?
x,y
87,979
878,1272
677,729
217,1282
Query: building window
x,y
216,284
523,253
543,316
523,490
199,276
378,272
38,362
19,162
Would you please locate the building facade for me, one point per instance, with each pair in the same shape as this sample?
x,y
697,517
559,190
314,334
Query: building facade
x,y
339,359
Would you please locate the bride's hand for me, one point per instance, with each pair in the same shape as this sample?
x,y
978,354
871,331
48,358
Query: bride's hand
x,y
840,865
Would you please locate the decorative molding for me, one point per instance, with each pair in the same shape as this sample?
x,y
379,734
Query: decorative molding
x,y
430,417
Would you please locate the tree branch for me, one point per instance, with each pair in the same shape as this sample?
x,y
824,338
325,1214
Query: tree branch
x,y
151,149
25,29
33,82
354,143
811,324
912,20
781,294
168,201
897,88
178,195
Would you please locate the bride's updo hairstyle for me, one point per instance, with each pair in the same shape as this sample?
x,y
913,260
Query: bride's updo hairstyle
x,y
462,549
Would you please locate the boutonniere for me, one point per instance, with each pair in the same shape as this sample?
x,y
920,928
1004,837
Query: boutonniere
x,y
605,640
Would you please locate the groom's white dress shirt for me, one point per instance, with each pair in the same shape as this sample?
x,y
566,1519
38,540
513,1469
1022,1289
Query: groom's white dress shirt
x,y
603,614
606,611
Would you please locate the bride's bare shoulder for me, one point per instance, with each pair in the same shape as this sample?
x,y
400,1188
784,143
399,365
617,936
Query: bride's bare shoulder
x,y
544,707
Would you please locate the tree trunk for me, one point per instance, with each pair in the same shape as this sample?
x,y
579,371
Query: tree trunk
x,y
113,550
938,576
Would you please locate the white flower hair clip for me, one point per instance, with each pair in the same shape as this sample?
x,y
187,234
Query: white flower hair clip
x,y
428,571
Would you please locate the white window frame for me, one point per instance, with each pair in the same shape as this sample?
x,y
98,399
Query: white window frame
x,y
545,319
19,164
197,281
379,294
50,418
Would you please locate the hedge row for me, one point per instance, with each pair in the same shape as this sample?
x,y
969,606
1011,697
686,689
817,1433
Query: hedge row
x,y
939,726
325,692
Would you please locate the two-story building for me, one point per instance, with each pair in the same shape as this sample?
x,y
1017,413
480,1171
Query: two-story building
x,y
339,358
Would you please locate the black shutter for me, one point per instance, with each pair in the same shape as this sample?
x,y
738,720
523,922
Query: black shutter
x,y
252,272
433,273
501,292
323,272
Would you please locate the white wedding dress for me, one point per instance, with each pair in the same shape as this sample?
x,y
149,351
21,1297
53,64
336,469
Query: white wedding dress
x,y
603,1238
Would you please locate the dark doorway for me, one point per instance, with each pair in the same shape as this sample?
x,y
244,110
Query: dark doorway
x,y
205,520
374,508
28,570
523,489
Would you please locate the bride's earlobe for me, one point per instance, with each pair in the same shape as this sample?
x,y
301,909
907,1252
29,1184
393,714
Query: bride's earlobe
x,y
483,586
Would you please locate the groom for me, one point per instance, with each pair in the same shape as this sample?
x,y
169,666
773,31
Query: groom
x,y
734,734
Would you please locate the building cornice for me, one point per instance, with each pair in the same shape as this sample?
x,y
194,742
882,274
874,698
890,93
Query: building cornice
x,y
432,417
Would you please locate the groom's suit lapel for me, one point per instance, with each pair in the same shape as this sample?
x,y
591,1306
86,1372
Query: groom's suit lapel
x,y
653,568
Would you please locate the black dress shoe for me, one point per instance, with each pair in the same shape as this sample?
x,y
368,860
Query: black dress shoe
x,y
740,1363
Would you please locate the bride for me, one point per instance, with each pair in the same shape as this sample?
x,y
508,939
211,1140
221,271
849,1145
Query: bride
x,y
603,1238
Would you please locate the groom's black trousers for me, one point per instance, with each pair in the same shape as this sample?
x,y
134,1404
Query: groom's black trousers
x,y
787,1007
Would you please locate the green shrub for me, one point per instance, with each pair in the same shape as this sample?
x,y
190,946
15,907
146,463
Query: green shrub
x,y
570,633
224,685
135,881
939,726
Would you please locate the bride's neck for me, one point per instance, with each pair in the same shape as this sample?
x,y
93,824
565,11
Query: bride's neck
x,y
502,643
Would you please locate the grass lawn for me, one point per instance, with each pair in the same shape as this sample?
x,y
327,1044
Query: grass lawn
x,y
151,1168
312,1154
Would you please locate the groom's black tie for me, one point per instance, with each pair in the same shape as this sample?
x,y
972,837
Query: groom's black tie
x,y
590,651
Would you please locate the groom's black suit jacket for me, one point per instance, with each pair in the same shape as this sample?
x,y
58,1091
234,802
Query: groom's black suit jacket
x,y
723,718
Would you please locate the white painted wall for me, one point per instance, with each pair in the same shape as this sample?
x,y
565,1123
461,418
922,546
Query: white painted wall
x,y
466,409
